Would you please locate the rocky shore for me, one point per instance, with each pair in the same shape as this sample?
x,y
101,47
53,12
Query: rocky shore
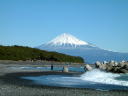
x,y
112,66
12,85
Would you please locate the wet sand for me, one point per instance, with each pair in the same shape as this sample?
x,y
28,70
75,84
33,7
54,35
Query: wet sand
x,y
12,85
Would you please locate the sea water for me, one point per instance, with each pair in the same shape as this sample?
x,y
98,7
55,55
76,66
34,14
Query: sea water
x,y
76,69
94,79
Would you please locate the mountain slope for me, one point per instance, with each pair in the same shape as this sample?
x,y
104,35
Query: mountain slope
x,y
65,39
69,44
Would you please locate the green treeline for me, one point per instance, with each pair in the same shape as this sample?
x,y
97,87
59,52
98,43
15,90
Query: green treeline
x,y
27,53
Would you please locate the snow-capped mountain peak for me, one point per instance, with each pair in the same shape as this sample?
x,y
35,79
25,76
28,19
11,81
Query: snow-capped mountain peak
x,y
67,39
70,45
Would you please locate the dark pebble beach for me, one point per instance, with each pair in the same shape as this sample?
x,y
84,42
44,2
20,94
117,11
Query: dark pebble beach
x,y
12,85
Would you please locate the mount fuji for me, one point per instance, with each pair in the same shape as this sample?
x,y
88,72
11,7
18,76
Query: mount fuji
x,y
68,44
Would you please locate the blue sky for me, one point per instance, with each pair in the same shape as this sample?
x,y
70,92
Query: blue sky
x,y
33,22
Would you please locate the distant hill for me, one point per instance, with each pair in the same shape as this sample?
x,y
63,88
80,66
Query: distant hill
x,y
27,53
68,44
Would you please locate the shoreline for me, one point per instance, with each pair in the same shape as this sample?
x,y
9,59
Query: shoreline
x,y
38,62
11,85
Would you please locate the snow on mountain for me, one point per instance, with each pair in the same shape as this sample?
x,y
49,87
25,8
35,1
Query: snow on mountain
x,y
67,39
68,44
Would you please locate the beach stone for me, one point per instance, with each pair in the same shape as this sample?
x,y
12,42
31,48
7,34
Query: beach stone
x,y
112,66
111,63
125,66
65,69
105,62
88,67
116,64
123,71
97,64
103,66
109,68
116,69
121,64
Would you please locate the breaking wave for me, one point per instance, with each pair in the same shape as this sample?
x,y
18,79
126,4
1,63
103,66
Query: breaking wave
x,y
94,79
103,77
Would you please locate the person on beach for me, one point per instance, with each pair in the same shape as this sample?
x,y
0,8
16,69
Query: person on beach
x,y
52,67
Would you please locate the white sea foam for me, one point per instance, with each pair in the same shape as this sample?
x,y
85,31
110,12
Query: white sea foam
x,y
91,78
103,77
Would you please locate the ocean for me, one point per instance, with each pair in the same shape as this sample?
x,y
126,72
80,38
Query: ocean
x,y
95,79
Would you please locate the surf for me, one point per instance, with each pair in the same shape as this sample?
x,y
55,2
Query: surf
x,y
104,77
95,79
